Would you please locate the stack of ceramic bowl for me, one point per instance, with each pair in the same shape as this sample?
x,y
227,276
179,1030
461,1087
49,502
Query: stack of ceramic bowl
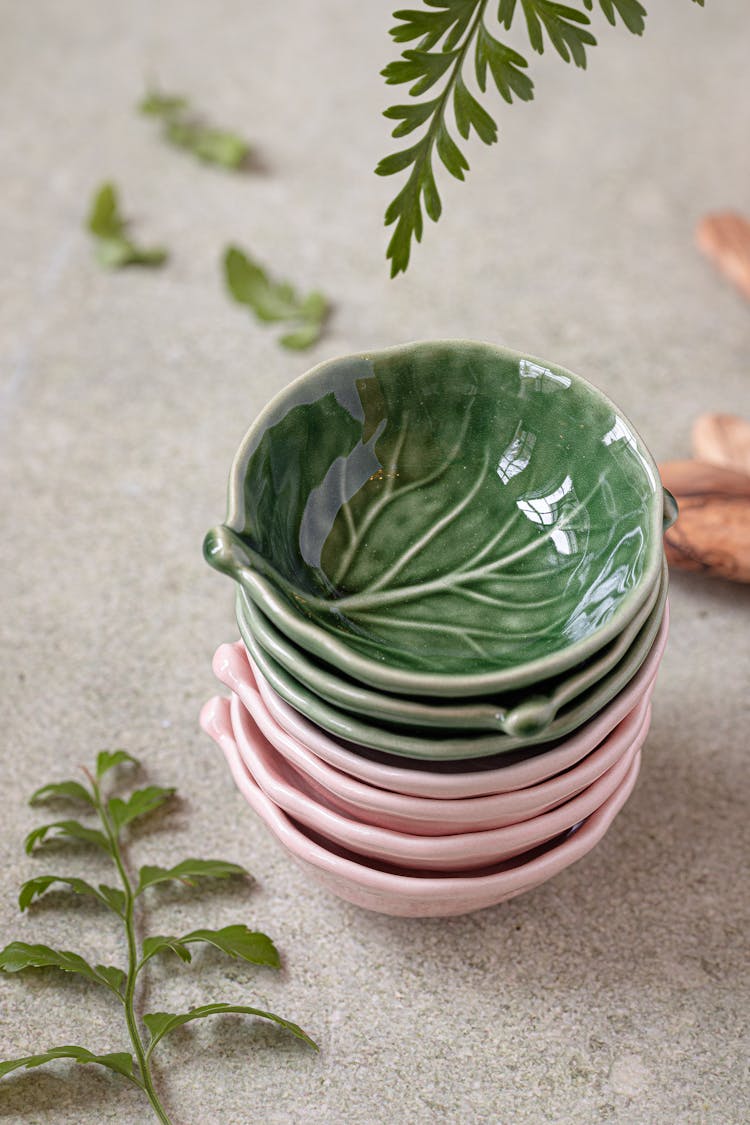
x,y
451,597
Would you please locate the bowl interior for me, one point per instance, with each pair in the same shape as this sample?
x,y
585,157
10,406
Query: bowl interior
x,y
448,508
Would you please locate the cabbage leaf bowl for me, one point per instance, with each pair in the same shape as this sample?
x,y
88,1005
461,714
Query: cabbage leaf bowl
x,y
444,518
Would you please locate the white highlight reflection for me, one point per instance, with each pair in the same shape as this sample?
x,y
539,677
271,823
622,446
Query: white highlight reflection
x,y
545,511
541,378
622,432
517,456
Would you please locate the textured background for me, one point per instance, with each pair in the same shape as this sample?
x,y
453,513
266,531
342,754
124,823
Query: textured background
x,y
619,991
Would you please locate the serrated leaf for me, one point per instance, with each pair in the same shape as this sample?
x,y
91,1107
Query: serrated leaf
x,y
160,1024
450,154
66,830
33,888
120,1062
188,871
19,955
410,116
139,803
506,67
397,161
62,791
470,114
561,23
423,68
632,14
108,759
428,26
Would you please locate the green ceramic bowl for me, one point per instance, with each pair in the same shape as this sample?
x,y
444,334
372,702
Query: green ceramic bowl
x,y
529,711
443,519
447,744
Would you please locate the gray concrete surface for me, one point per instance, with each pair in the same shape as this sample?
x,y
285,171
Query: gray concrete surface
x,y
618,992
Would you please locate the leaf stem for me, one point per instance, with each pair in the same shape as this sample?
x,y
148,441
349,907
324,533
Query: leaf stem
x,y
134,963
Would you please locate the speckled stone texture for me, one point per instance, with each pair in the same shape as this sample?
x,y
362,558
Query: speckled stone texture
x,y
618,992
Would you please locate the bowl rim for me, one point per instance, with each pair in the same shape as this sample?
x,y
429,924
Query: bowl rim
x,y
316,639
457,850
232,668
489,715
422,779
417,889
427,746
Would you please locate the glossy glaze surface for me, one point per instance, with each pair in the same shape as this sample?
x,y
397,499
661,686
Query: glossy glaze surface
x,y
462,851
468,778
435,816
455,516
436,745
376,887
526,711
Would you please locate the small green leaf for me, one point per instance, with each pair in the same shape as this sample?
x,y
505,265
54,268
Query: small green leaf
x,y
66,830
104,218
62,791
160,1024
506,67
188,871
114,977
237,941
301,338
154,104
397,161
139,803
632,14
121,1062
159,943
212,146
114,898
561,24
427,67
19,955
114,248
410,116
108,759
185,130
470,114
273,301
450,154
33,888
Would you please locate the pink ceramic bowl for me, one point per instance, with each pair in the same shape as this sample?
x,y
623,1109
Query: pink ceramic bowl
x,y
455,781
464,851
375,886
425,816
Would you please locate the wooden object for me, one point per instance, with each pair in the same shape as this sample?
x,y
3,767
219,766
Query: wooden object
x,y
722,439
712,532
725,238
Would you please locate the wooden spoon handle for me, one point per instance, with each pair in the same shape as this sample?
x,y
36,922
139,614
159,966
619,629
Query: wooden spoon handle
x,y
712,532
